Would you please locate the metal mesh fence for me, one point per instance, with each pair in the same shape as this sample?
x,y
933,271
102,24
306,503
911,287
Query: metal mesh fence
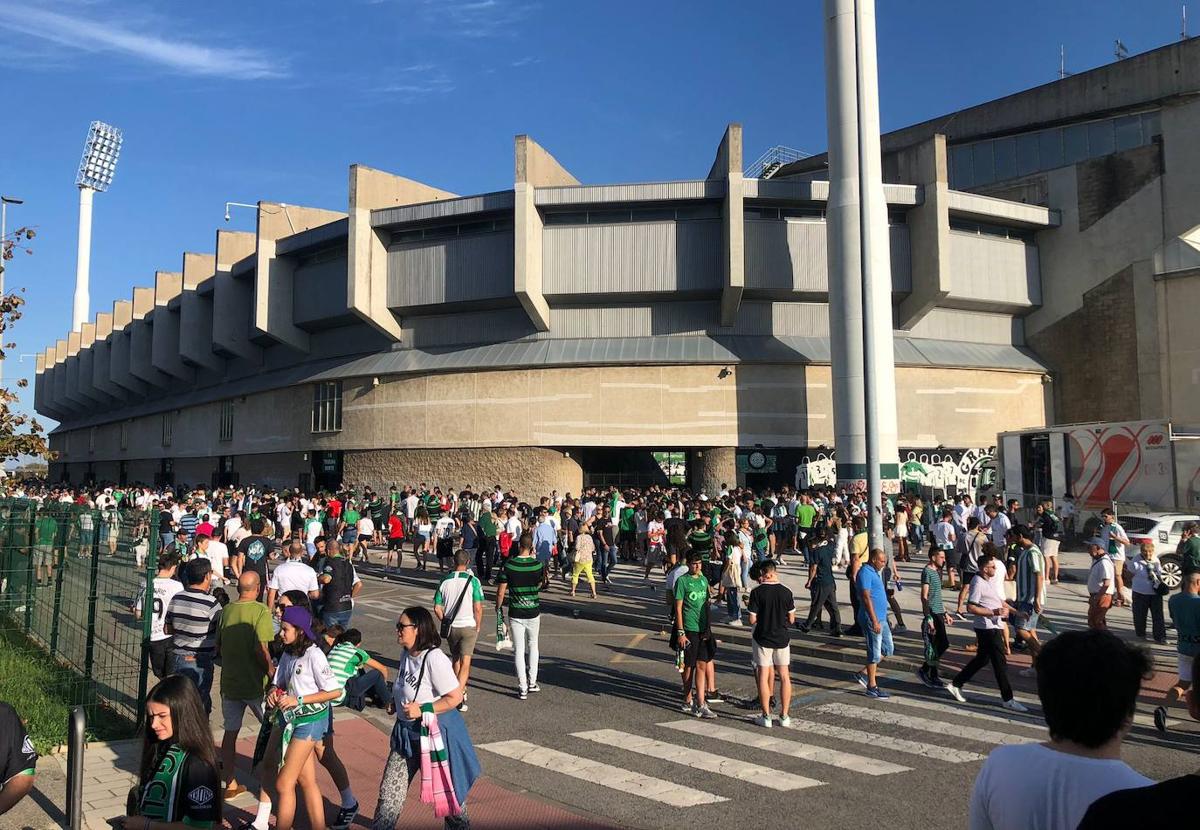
x,y
70,578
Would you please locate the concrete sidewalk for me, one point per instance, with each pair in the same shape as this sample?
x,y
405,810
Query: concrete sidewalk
x,y
110,770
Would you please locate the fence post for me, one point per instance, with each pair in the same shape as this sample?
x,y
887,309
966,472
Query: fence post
x,y
76,731
31,570
89,654
58,589
150,570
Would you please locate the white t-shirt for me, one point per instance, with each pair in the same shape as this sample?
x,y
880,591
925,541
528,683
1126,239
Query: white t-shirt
x,y
366,526
306,675
293,575
513,526
1116,550
217,553
164,588
656,532
1034,787
439,678
443,527
1102,569
1000,526
983,593
673,577
232,525
410,506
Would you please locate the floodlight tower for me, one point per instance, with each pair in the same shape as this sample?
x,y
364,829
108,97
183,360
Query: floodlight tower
x,y
96,170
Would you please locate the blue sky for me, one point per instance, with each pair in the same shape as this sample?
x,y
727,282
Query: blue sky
x,y
271,100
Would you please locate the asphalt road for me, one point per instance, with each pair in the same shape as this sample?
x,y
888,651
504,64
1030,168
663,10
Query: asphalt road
x,y
605,736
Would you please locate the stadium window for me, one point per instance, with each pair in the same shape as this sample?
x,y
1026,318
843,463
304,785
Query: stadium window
x,y
124,435
225,429
1075,143
1027,154
1050,149
983,163
1100,138
92,439
1127,132
960,166
327,407
1005,150
566,218
168,428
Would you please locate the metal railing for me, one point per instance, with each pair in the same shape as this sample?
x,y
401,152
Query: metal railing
x,y
70,578
769,162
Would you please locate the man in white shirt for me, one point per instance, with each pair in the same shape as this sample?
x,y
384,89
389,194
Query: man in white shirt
x,y
998,525
1052,784
293,575
1114,539
217,553
1101,585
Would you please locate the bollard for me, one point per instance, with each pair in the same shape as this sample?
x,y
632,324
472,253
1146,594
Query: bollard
x,y
76,730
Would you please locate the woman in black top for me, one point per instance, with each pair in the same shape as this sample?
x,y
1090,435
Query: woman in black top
x,y
178,787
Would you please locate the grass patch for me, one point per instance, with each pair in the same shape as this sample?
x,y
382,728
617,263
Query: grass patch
x,y
44,692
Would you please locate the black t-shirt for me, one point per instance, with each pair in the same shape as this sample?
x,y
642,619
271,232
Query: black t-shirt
x,y
16,750
1170,803
771,603
165,520
255,550
335,594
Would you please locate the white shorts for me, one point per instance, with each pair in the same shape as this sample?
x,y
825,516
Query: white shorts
x,y
1050,547
763,656
902,531
1186,662
232,712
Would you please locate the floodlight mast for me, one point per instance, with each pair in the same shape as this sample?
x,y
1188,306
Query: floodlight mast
x,y
96,170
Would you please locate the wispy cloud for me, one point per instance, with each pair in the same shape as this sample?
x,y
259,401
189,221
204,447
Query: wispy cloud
x,y
475,18
526,61
416,81
97,35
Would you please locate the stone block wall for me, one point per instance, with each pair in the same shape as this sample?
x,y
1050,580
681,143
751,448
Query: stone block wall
x,y
531,471
713,467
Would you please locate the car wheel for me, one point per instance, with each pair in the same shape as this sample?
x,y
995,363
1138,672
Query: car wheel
x,y
1172,570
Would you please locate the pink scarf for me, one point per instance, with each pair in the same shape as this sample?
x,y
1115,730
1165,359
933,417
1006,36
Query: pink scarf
x,y
436,786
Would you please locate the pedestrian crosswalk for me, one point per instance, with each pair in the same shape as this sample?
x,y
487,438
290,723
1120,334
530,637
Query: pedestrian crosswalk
x,y
826,743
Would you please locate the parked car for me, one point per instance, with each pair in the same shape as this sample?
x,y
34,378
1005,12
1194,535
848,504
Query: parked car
x,y
1165,530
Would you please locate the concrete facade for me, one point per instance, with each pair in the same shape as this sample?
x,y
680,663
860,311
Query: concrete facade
x,y
524,325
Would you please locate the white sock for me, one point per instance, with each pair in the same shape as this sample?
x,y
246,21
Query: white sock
x,y
262,820
348,799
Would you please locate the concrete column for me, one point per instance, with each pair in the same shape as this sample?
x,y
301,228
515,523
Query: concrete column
x,y
534,168
711,467
232,298
928,231
119,349
274,301
196,313
858,237
164,352
141,340
101,370
728,168
366,249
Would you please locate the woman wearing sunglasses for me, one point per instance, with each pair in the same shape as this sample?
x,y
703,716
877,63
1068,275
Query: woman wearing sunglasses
x,y
425,684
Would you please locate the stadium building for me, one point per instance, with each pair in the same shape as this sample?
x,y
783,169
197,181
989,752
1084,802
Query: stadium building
x,y
1045,253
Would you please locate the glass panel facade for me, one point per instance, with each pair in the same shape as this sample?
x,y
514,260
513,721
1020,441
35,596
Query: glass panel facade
x,y
1100,139
1005,150
1027,155
1075,143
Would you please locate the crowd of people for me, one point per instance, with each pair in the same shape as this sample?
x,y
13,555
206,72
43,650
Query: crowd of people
x,y
289,655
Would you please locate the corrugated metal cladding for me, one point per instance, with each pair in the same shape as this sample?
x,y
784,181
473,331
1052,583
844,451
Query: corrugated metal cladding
x,y
642,192
632,257
492,326
987,268
450,270
500,200
689,318
792,255
970,327
319,287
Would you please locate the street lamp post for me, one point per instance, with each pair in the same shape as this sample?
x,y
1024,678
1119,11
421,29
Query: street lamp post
x,y
5,201
96,170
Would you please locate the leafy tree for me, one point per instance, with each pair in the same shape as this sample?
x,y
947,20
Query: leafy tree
x,y
20,434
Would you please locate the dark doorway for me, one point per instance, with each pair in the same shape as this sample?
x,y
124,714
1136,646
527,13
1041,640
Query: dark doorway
x,y
327,469
1035,466
225,476
165,477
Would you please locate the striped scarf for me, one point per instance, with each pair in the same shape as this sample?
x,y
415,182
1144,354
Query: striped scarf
x,y
437,788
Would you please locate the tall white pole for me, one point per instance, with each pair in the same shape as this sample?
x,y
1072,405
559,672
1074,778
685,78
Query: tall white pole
x,y
860,283
83,259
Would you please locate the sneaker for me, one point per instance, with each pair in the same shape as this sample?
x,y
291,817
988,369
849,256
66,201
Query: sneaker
x,y
763,720
861,678
735,622
233,791
926,679
687,707
522,694
706,713
1160,718
714,697
1028,672
535,688
802,627
1014,705
462,707
877,693
959,617
900,627
955,693
785,721
345,816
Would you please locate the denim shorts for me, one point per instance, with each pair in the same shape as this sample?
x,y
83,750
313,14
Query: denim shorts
x,y
311,731
878,645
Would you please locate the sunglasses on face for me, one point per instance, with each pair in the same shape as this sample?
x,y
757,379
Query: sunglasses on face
x,y
401,626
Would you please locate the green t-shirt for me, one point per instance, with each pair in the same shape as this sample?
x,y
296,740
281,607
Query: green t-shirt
x,y
345,659
244,625
1191,555
351,517
1185,611
627,519
806,514
931,577
47,528
693,590
701,541
487,524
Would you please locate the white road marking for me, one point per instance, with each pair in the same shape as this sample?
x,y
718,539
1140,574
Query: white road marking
x,y
922,724
952,709
614,778
699,759
925,750
794,749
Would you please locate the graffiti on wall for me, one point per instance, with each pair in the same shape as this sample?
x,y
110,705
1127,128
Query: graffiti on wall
x,y
945,471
